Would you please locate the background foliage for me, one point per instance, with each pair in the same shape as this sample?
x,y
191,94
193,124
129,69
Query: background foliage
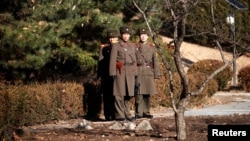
x,y
63,36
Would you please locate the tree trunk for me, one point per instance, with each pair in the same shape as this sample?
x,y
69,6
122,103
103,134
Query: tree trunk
x,y
180,123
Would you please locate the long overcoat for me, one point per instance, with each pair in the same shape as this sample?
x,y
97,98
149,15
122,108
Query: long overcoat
x,y
148,67
123,67
103,63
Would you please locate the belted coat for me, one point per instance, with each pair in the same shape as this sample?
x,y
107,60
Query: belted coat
x,y
148,67
123,67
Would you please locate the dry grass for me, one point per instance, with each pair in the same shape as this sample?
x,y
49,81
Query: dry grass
x,y
194,53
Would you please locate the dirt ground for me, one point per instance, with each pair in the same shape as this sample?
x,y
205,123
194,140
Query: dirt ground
x,y
163,129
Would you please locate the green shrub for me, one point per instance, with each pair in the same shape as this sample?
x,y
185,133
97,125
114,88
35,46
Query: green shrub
x,y
39,103
244,78
208,66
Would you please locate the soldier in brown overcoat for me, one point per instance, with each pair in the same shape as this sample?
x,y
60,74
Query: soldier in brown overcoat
x,y
148,70
123,69
106,79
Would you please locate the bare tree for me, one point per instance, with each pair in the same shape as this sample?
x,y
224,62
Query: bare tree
x,y
179,13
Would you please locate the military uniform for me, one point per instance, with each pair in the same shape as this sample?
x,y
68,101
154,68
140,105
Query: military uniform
x,y
106,80
123,69
148,70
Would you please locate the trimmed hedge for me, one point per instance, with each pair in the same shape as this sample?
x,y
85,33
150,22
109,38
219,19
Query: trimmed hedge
x,y
208,66
244,78
23,105
195,80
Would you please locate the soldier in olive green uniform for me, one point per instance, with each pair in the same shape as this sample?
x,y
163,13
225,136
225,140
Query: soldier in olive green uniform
x,y
148,70
106,80
123,69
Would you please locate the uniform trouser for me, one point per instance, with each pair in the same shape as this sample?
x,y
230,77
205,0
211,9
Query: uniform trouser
x,y
108,106
142,104
122,106
108,99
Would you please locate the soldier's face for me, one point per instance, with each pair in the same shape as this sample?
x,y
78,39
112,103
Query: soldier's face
x,y
113,40
143,37
125,37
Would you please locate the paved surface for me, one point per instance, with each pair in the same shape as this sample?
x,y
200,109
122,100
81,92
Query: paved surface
x,y
237,103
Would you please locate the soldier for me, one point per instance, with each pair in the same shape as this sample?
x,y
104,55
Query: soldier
x,y
148,70
123,69
106,80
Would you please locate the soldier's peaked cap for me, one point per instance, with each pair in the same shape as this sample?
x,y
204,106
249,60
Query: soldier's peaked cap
x,y
112,33
125,29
